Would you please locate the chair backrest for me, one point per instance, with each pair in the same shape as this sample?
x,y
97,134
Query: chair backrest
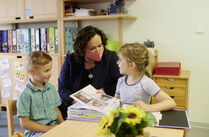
x,y
11,111
18,134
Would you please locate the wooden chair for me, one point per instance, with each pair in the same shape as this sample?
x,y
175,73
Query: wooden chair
x,y
18,134
11,111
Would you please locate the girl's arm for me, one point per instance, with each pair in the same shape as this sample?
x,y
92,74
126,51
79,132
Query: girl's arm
x,y
59,116
165,103
28,124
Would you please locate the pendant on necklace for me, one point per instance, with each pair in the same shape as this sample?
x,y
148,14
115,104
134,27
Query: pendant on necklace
x,y
90,76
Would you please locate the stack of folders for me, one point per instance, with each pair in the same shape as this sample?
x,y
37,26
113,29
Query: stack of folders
x,y
82,112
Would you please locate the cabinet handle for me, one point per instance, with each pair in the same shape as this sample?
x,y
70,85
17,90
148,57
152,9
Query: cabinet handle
x,y
19,57
172,97
170,87
17,18
170,79
31,17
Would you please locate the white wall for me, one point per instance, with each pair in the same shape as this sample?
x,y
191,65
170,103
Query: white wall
x,y
172,25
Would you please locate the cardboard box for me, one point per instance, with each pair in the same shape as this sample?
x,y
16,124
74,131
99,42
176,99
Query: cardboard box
x,y
168,68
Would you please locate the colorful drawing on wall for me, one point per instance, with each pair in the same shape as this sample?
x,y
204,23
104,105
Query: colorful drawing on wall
x,y
5,93
19,66
19,87
19,76
4,73
4,64
7,83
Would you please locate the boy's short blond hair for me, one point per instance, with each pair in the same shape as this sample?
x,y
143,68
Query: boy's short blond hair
x,y
38,58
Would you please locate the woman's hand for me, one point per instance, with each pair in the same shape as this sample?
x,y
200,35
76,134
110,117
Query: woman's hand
x,y
100,91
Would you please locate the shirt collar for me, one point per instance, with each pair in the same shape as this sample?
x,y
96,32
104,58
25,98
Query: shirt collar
x,y
30,84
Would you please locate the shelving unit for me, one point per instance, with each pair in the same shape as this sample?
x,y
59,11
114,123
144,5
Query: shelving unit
x,y
117,17
42,11
50,11
29,21
100,17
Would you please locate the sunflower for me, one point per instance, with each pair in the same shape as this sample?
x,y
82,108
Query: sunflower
x,y
136,115
105,123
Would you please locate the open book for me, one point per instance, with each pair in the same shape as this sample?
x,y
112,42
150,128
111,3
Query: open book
x,y
100,102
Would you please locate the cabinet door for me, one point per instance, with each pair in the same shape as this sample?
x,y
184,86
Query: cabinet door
x,y
13,77
55,70
11,10
41,8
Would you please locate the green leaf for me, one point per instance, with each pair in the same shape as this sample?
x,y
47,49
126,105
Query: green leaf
x,y
151,121
118,121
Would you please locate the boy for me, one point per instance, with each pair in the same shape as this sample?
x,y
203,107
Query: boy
x,y
37,106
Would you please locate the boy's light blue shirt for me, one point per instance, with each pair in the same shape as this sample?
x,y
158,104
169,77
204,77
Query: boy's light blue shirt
x,y
39,106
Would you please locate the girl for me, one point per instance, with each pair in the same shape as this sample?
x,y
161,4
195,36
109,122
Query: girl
x,y
135,86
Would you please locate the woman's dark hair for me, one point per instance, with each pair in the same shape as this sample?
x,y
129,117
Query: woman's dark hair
x,y
83,37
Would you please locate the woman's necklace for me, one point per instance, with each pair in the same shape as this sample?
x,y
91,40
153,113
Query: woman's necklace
x,y
90,75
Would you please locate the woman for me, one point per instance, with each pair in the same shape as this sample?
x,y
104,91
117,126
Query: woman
x,y
91,64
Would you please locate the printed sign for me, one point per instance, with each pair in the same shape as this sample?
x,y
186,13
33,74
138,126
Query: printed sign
x,y
19,66
4,73
5,93
19,76
19,87
7,83
4,64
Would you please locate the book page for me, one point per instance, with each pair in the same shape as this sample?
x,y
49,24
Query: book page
x,y
100,102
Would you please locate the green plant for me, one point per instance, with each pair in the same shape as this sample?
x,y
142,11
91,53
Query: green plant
x,y
126,121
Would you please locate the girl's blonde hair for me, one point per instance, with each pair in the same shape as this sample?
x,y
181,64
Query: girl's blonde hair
x,y
38,58
137,53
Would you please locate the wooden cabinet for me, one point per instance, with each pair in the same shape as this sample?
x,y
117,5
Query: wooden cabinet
x,y
56,67
11,10
14,12
41,9
26,11
176,87
14,75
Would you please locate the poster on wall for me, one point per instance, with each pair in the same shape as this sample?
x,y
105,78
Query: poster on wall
x,y
7,83
19,76
19,66
4,64
4,73
5,93
19,87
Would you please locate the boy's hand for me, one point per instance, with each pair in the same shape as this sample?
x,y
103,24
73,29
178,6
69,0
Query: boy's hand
x,y
52,126
142,105
100,91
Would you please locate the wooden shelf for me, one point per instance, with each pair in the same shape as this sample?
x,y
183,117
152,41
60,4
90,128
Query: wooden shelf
x,y
183,75
29,21
100,17
87,1
90,1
